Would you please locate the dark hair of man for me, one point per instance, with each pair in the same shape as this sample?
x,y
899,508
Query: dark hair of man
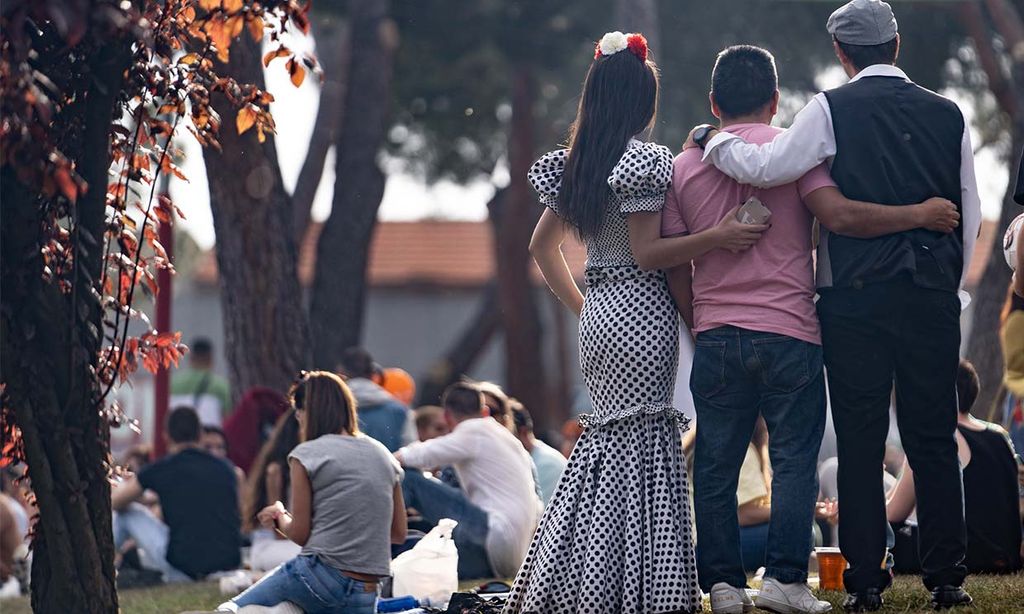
x,y
329,405
967,386
520,415
201,348
463,400
743,80
619,101
862,56
183,425
357,362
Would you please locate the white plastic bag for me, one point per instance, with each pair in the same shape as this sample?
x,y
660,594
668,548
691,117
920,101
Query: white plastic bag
x,y
430,571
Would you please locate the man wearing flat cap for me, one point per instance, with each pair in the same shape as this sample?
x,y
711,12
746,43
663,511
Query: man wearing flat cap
x,y
889,306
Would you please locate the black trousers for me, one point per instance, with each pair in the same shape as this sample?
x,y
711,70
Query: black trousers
x,y
875,337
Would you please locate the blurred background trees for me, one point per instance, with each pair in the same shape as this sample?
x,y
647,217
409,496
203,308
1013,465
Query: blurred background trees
x,y
476,94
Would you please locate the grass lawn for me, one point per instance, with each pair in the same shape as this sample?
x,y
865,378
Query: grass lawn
x,y
992,595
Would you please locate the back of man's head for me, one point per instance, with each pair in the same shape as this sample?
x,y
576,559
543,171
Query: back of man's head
x,y
183,425
463,401
521,417
968,385
200,352
744,81
357,362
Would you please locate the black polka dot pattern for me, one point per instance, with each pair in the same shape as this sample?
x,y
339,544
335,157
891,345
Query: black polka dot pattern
x,y
638,183
617,535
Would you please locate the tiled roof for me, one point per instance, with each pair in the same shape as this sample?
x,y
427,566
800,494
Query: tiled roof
x,y
461,254
423,253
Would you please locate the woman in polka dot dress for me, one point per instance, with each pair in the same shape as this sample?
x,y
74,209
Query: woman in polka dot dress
x,y
617,535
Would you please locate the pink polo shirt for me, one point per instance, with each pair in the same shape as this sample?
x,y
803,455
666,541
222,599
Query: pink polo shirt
x,y
769,287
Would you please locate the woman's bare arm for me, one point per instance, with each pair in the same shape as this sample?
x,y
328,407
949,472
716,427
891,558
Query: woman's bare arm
x,y
546,249
652,251
298,524
399,519
903,499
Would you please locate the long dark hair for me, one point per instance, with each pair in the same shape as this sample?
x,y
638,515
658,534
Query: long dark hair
x,y
275,451
619,101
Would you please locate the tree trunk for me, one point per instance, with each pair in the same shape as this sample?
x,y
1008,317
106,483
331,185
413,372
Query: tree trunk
x,y
266,334
339,286
49,344
332,53
984,346
514,218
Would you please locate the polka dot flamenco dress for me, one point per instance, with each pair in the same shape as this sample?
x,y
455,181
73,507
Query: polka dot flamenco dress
x,y
617,535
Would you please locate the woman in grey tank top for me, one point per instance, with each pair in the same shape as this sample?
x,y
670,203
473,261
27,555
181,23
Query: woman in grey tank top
x,y
346,509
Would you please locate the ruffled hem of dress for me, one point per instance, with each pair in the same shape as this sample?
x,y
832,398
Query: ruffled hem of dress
x,y
681,419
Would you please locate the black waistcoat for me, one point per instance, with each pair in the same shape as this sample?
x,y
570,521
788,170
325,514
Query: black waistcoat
x,y
897,144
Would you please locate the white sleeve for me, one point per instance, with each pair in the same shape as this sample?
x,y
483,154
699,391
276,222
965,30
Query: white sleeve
x,y
806,144
438,452
970,208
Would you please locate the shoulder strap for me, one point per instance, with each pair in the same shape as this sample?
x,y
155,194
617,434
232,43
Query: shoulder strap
x,y
204,385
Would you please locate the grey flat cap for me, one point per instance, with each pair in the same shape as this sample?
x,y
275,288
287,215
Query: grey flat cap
x,y
863,22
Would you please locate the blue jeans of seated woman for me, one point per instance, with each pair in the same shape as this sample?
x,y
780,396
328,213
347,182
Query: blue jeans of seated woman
x,y
738,373
312,585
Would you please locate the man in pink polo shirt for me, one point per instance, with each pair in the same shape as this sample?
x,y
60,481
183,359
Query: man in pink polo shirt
x,y
758,343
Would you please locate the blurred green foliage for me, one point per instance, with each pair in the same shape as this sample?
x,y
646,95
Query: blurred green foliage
x,y
454,65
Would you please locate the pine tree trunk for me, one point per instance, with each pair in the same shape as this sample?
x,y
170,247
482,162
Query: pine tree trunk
x,y
984,347
514,218
339,286
266,333
332,51
49,343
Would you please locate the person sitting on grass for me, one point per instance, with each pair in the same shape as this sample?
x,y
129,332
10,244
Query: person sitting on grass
x,y
215,442
269,482
346,509
549,462
497,507
430,422
381,415
991,492
200,532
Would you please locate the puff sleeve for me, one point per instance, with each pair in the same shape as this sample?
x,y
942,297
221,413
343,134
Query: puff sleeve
x,y
641,178
546,177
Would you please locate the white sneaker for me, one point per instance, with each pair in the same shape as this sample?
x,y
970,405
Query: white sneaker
x,y
727,599
793,598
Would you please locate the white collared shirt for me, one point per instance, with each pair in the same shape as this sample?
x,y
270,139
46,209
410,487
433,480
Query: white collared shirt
x,y
811,140
496,473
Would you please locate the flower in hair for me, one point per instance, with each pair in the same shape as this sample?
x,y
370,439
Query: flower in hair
x,y
638,46
611,43
614,42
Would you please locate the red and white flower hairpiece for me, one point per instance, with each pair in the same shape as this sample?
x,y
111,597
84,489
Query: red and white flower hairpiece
x,y
614,42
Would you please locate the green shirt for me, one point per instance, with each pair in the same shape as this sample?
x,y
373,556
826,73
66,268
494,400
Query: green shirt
x,y
211,399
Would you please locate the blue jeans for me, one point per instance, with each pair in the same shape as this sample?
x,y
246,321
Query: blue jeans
x,y
137,523
754,546
436,500
738,373
312,585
